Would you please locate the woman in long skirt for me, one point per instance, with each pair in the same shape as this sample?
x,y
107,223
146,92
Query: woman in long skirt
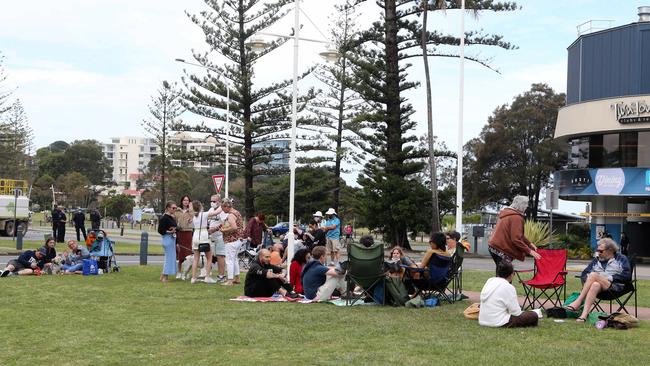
x,y
167,228
184,229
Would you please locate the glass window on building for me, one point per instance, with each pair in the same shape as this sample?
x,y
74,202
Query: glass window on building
x,y
628,142
611,150
596,151
578,153
643,151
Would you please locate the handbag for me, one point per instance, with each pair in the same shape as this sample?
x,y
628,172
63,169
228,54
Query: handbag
x,y
204,247
472,312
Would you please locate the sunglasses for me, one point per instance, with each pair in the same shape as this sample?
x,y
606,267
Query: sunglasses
x,y
174,208
213,201
600,250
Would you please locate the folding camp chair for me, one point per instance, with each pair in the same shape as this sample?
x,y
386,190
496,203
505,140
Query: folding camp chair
x,y
437,281
549,279
456,274
621,296
246,254
366,270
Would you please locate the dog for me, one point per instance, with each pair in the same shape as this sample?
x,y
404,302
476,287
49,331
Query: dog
x,y
187,266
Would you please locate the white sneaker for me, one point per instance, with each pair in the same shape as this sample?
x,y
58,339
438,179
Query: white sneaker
x,y
209,280
194,280
179,276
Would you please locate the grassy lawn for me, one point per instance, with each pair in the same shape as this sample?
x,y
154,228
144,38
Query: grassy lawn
x,y
129,318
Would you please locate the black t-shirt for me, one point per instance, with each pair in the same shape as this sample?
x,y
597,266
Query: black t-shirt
x,y
257,275
166,222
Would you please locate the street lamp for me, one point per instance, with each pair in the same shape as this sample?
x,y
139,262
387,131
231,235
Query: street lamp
x,y
219,75
258,44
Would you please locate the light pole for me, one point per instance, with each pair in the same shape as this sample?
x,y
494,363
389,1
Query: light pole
x,y
219,75
461,93
329,54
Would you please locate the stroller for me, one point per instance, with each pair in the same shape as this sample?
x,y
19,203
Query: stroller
x,y
102,249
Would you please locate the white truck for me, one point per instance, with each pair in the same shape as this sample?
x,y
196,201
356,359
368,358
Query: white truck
x,y
9,205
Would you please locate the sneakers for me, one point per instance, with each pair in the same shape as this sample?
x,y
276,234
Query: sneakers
x,y
179,276
292,295
194,280
5,273
221,278
209,280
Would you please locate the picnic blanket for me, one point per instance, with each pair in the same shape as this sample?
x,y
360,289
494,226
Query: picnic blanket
x,y
334,300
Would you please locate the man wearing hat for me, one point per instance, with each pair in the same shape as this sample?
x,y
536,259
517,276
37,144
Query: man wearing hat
x,y
332,227
25,264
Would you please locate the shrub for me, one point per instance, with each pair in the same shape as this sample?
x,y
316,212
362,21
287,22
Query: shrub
x,y
539,233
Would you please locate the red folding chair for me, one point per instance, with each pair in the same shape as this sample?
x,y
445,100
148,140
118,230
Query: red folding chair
x,y
549,279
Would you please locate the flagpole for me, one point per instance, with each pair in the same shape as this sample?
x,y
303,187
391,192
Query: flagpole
x,y
461,94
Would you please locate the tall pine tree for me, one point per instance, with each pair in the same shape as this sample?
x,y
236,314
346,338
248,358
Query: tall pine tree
x,y
258,114
15,143
390,193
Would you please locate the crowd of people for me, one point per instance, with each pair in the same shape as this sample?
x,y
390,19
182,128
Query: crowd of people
x,y
46,260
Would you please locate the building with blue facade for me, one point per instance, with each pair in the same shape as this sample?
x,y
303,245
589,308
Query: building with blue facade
x,y
606,127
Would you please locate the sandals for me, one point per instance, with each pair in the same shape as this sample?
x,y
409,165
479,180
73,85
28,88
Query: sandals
x,y
580,320
571,308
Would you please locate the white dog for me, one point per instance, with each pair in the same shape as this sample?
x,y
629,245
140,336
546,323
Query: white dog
x,y
187,266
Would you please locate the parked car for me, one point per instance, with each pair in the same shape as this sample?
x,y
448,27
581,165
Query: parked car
x,y
280,229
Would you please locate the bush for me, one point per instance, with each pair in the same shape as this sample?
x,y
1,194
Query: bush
x,y
539,233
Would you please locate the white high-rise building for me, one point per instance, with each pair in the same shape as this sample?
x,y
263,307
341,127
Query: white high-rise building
x,y
128,156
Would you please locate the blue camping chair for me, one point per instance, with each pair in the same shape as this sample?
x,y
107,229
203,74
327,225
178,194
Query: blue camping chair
x,y
437,281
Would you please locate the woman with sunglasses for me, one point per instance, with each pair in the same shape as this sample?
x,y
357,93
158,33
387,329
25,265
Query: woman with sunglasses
x,y
167,228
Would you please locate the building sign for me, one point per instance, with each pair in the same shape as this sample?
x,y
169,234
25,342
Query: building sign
x,y
603,182
632,112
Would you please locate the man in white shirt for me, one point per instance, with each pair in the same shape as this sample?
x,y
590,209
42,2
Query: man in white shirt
x,y
499,306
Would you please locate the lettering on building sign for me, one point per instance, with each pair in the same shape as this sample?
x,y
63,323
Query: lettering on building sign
x,y
633,112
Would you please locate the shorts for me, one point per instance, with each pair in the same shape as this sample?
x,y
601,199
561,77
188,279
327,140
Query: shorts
x,y
332,245
218,247
17,265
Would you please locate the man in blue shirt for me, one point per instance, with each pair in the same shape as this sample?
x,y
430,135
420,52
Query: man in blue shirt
x,y
332,227
319,281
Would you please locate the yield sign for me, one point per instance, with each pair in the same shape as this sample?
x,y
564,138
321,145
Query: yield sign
x,y
218,181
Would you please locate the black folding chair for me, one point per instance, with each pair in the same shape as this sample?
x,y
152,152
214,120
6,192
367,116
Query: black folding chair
x,y
438,279
455,286
621,295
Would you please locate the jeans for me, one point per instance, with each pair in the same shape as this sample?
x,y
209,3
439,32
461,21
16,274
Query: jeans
x,y
72,267
232,260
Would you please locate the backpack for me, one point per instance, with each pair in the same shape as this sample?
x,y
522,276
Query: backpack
x,y
620,321
472,312
397,295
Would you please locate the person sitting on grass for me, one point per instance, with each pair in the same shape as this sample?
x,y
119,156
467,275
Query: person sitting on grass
x,y
264,279
299,260
318,281
609,270
47,263
26,263
499,305
73,260
277,255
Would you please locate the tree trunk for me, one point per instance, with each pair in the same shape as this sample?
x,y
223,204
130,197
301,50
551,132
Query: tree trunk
x,y
433,172
249,204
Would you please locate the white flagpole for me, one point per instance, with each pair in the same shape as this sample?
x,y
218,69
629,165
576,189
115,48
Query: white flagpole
x,y
461,93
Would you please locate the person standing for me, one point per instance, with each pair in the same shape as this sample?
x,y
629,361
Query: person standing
x,y
60,225
232,230
56,217
255,229
167,228
625,244
499,305
201,241
508,241
184,228
79,220
216,236
95,219
332,227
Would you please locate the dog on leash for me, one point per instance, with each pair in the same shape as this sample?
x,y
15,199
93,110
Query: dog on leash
x,y
187,266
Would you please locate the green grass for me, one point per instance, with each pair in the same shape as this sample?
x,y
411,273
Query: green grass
x,y
129,318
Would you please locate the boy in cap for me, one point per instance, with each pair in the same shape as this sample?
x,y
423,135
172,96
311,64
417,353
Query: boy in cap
x,y
25,264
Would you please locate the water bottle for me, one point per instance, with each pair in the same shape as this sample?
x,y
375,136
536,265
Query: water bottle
x,y
601,324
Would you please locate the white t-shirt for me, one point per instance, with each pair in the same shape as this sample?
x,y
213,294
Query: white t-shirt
x,y
498,302
216,221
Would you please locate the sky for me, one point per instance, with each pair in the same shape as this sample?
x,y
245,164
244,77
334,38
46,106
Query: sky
x,y
88,68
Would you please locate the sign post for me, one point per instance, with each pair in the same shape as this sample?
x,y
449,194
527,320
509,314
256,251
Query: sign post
x,y
552,197
218,182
